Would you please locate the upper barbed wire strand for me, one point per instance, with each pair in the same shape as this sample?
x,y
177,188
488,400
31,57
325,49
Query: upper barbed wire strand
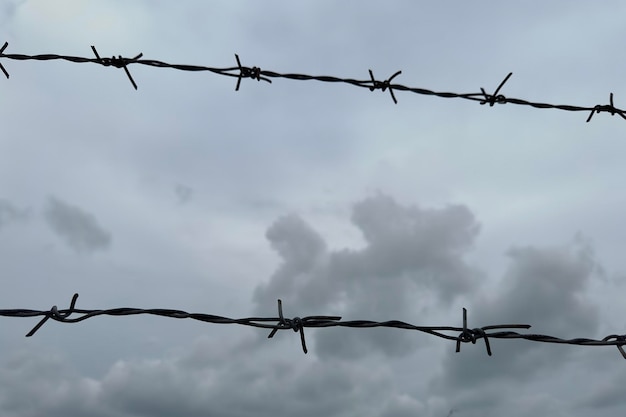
x,y
240,71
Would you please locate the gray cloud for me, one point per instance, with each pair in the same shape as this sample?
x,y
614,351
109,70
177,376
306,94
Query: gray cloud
x,y
543,287
184,193
9,213
532,175
76,227
552,281
427,244
411,256
606,394
39,384
243,379
9,9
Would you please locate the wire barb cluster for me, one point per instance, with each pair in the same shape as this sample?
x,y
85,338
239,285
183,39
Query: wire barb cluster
x,y
240,72
297,324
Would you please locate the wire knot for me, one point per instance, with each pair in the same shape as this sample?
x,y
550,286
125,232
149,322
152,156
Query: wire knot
x,y
384,85
54,314
620,341
296,324
254,73
118,62
246,72
495,97
471,335
492,100
609,108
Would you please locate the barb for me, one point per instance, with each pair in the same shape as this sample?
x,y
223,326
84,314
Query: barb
x,y
467,335
240,71
2,54
54,313
245,72
298,324
384,84
610,108
495,98
118,62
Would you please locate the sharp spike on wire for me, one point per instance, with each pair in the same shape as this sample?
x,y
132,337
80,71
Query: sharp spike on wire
x,y
54,314
297,324
384,85
281,319
6,74
118,62
464,334
495,97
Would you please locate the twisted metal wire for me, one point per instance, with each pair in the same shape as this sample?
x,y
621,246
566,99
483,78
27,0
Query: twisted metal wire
x,y
240,72
464,334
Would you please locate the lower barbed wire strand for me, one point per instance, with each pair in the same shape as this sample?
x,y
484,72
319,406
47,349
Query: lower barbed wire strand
x,y
298,324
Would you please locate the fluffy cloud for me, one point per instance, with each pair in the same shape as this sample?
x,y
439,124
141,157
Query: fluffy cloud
x,y
39,383
76,227
543,287
410,254
227,384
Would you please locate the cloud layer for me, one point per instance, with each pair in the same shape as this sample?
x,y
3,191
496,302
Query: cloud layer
x,y
330,197
77,228
412,262
413,259
10,213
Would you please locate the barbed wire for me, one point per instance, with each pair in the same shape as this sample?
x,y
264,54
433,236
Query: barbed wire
x,y
463,334
240,72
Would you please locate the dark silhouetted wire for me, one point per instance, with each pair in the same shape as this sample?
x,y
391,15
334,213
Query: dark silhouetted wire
x,y
240,72
297,324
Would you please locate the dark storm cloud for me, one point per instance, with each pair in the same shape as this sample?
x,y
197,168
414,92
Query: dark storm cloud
x,y
543,287
76,227
428,243
607,393
10,213
226,385
39,383
412,255
552,282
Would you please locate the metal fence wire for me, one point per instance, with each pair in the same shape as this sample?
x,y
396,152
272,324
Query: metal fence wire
x,y
459,335
241,71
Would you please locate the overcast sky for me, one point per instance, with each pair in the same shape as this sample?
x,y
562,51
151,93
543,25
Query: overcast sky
x,y
186,194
